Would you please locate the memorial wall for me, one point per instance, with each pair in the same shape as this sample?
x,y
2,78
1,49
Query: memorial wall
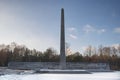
x,y
56,65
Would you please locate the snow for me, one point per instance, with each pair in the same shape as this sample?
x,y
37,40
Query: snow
x,y
61,70
93,76
6,71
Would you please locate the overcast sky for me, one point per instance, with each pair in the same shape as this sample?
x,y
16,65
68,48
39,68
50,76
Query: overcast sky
x,y
36,23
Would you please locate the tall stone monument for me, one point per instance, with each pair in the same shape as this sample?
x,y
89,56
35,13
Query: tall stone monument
x,y
62,42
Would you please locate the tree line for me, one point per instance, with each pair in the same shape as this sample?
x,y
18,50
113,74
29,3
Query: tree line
x,y
21,53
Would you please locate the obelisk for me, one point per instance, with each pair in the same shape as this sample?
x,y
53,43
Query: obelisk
x,y
62,42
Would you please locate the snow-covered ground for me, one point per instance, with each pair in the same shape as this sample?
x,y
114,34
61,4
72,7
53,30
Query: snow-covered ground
x,y
6,71
93,76
9,74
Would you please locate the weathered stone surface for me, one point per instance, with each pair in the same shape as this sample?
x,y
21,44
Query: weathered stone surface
x,y
62,42
55,65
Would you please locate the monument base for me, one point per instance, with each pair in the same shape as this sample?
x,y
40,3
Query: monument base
x,y
54,67
64,71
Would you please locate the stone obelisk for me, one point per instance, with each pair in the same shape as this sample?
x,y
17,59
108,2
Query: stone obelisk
x,y
62,42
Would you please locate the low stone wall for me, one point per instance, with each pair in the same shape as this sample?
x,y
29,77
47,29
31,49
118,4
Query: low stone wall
x,y
55,65
33,65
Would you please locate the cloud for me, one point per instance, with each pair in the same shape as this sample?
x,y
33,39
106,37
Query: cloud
x,y
71,29
117,30
73,36
115,46
101,31
88,29
84,48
